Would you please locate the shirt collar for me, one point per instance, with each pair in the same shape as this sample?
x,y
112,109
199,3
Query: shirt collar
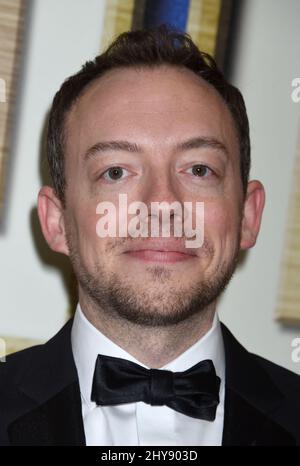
x,y
88,342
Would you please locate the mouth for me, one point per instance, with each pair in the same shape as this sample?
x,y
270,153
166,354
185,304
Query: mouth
x,y
160,251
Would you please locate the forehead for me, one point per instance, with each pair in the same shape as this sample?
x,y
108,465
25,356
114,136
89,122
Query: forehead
x,y
155,105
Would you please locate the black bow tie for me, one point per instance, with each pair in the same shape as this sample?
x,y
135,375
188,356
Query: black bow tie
x,y
194,392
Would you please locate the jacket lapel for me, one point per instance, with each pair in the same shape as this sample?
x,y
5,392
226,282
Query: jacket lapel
x,y
50,381
251,397
52,411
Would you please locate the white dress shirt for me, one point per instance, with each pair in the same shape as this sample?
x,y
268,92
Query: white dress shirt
x,y
140,423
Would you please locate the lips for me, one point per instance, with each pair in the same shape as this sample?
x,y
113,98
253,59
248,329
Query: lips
x,y
160,251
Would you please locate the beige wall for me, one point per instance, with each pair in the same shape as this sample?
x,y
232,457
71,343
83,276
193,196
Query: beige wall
x,y
266,61
63,34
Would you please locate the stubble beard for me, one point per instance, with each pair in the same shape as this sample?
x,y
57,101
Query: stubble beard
x,y
162,305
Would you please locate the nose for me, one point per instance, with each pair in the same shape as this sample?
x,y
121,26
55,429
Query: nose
x,y
160,188
164,204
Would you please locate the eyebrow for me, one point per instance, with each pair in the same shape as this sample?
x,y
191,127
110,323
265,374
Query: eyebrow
x,y
126,146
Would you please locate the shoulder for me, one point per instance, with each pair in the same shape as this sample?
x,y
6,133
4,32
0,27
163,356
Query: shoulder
x,y
286,380
18,364
270,388
13,402
242,361
288,384
30,377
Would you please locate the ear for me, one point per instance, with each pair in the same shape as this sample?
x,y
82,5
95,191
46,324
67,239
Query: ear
x,y
51,216
252,214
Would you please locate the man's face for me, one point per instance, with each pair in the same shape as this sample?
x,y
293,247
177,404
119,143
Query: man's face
x,y
157,110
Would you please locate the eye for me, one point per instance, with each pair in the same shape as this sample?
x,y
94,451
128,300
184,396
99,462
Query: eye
x,y
201,171
114,173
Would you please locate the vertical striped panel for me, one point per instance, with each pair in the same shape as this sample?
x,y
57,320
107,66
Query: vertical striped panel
x,y
203,23
11,26
288,308
118,19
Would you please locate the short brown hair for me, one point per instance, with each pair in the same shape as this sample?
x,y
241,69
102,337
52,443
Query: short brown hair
x,y
143,48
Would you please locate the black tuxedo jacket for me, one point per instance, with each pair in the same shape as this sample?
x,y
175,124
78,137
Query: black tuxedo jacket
x,y
40,399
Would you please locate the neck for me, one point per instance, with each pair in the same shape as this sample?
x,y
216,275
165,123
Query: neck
x,y
152,346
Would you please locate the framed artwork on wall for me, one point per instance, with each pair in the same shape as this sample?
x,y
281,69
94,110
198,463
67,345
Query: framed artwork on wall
x,y
208,23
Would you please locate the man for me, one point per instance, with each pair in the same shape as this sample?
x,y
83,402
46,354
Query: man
x,y
145,361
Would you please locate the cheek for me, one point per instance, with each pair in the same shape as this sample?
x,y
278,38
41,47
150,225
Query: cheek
x,y
85,222
221,222
89,226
